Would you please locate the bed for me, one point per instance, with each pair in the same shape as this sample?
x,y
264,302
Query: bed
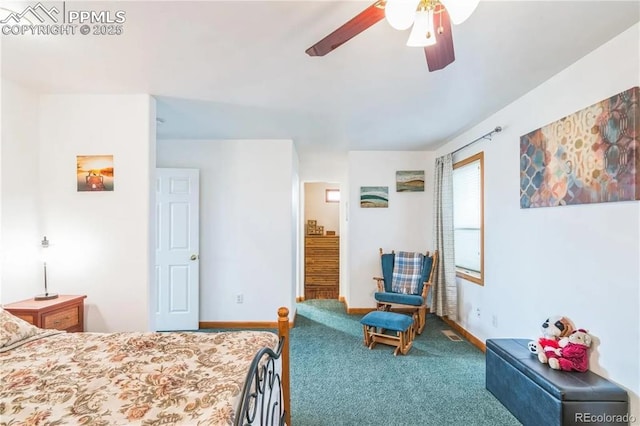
x,y
178,378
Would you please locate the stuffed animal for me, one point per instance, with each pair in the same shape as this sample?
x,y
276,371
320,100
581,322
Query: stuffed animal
x,y
573,352
553,329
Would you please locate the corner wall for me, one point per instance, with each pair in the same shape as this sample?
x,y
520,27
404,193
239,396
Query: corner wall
x,y
405,225
582,261
99,240
22,271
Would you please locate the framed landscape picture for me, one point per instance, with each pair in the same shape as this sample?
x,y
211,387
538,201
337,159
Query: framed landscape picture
x,y
410,181
374,196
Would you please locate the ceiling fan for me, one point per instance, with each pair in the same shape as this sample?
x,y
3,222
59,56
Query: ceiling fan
x,y
431,21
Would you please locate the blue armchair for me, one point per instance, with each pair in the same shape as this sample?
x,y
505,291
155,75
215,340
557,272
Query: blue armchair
x,y
405,283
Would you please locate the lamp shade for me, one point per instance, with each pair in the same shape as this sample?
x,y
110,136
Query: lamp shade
x,y
422,33
400,13
460,10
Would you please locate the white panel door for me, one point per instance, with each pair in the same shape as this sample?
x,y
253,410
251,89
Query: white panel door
x,y
177,249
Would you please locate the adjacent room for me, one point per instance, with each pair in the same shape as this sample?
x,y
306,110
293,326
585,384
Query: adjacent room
x,y
178,166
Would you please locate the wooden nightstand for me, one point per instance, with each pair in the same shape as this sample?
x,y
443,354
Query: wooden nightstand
x,y
62,313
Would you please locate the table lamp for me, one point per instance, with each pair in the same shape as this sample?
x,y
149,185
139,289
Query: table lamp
x,y
46,295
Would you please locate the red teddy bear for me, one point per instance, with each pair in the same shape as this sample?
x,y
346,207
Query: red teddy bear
x,y
573,353
553,329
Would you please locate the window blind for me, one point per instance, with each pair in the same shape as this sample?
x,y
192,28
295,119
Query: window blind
x,y
467,215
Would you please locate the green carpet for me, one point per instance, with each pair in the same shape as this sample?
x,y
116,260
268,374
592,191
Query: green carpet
x,y
336,380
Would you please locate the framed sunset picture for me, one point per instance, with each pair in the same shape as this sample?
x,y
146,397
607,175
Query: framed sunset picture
x,y
94,172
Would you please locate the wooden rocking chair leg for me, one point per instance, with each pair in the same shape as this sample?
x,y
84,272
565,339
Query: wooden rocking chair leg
x,y
421,319
367,338
401,345
407,340
413,329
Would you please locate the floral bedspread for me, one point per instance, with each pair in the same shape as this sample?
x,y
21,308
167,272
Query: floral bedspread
x,y
127,378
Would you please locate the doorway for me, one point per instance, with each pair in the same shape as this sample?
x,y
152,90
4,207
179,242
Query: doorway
x,y
321,240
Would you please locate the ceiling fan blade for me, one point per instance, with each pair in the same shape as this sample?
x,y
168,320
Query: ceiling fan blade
x,y
441,54
352,28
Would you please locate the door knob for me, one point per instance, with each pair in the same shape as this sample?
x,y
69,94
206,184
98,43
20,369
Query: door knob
x,y
194,257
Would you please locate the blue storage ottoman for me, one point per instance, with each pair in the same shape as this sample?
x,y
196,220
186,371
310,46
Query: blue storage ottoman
x,y
539,395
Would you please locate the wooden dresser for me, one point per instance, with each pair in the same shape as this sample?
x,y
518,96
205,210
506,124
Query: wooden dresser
x,y
65,312
321,267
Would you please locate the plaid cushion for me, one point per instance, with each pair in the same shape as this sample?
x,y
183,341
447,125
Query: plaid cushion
x,y
407,272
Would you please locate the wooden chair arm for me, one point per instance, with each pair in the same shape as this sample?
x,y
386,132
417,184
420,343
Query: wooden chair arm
x,y
380,283
425,289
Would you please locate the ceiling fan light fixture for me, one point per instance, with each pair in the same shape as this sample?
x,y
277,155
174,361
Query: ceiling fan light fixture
x,y
400,13
423,32
460,10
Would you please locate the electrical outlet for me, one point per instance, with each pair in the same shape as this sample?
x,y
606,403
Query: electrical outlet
x,y
239,298
494,321
478,312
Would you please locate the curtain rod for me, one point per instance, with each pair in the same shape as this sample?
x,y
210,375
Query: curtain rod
x,y
487,136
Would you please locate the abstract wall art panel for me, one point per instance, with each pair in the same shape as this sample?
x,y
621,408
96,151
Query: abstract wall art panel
x,y
94,172
374,196
591,156
410,181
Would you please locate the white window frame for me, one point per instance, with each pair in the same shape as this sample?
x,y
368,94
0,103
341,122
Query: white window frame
x,y
473,276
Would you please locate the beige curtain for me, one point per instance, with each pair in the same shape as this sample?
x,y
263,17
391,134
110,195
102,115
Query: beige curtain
x,y
445,294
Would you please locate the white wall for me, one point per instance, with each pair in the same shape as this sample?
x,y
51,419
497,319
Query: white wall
x,y
582,261
22,271
246,230
405,225
100,240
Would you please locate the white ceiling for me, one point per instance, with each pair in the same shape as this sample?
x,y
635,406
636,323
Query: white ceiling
x,y
237,69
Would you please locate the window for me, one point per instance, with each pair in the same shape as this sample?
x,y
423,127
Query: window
x,y
332,195
468,218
